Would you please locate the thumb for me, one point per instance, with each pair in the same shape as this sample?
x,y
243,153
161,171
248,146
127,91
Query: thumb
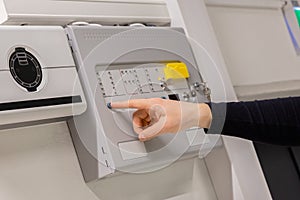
x,y
153,131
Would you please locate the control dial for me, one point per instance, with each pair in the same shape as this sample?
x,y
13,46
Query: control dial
x,y
25,69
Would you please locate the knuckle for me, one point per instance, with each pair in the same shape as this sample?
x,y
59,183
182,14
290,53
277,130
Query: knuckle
x,y
131,103
135,114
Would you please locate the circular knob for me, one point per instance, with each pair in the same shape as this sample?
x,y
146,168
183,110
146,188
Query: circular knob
x,y
197,85
25,69
164,86
194,93
186,96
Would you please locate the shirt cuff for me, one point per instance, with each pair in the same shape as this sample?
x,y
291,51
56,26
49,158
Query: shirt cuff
x,y
218,111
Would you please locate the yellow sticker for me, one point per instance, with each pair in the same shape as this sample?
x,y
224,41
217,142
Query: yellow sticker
x,y
176,70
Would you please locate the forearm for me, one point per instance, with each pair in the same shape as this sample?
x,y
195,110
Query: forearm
x,y
272,121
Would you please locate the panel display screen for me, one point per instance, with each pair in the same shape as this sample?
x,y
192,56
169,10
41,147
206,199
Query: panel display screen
x,y
174,97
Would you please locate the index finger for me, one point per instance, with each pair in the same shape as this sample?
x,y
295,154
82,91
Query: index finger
x,y
134,103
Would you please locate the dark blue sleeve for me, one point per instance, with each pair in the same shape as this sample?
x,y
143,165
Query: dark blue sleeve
x,y
275,121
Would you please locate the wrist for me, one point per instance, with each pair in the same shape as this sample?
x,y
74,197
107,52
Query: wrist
x,y
205,118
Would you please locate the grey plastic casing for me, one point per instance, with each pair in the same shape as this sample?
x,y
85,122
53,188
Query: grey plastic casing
x,y
60,93
98,133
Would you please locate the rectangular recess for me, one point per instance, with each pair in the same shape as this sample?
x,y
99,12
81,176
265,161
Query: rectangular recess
x,y
40,103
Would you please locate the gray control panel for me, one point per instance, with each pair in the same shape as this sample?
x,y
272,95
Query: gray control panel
x,y
141,79
131,80
122,63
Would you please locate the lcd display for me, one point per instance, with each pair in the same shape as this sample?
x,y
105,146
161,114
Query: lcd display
x,y
174,97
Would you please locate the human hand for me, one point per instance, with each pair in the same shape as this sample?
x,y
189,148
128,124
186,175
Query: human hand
x,y
155,117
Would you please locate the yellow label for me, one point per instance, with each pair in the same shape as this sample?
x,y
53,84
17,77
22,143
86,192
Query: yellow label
x,y
176,70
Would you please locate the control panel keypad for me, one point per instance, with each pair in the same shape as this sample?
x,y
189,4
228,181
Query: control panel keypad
x,y
120,82
111,83
131,81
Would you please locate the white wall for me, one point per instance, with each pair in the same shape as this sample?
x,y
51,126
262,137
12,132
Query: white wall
x,y
257,47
